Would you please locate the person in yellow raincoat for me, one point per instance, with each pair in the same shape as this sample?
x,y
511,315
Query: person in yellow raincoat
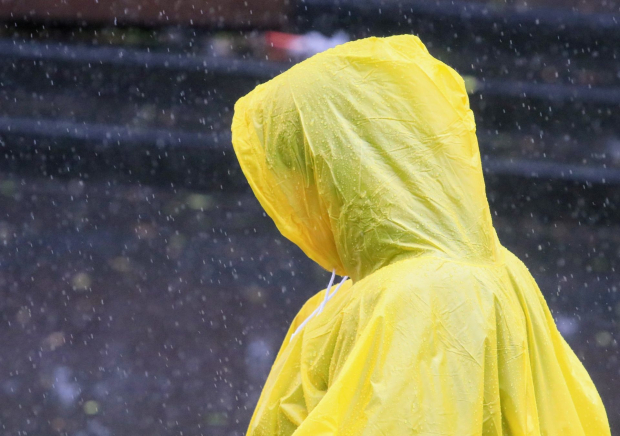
x,y
366,157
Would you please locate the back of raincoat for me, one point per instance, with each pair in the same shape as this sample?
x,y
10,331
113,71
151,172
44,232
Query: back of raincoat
x,y
366,157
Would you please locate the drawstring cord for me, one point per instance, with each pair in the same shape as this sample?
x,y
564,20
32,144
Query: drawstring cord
x,y
327,291
328,296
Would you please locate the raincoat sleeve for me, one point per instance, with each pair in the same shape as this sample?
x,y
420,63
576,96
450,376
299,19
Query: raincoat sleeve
x,y
281,406
400,375
402,361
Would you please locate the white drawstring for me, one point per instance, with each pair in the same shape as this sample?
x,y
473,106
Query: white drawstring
x,y
327,291
328,296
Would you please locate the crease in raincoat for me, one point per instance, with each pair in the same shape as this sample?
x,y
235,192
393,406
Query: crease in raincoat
x,y
366,157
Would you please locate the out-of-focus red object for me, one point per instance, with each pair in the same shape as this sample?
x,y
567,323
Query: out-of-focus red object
x,y
302,46
281,40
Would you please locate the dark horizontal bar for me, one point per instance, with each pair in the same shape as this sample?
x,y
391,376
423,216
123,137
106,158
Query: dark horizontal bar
x,y
264,70
493,14
551,170
548,91
139,58
110,134
221,142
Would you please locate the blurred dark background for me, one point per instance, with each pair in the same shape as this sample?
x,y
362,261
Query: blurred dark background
x,y
142,289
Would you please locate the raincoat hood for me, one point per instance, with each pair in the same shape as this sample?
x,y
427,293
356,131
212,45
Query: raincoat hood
x,y
366,154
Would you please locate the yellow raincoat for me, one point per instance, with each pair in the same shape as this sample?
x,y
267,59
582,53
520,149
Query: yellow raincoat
x,y
366,157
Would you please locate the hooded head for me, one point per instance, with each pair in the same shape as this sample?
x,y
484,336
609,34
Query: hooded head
x,y
366,154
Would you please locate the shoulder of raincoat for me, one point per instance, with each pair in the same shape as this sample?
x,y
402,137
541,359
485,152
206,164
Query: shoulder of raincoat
x,y
366,157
